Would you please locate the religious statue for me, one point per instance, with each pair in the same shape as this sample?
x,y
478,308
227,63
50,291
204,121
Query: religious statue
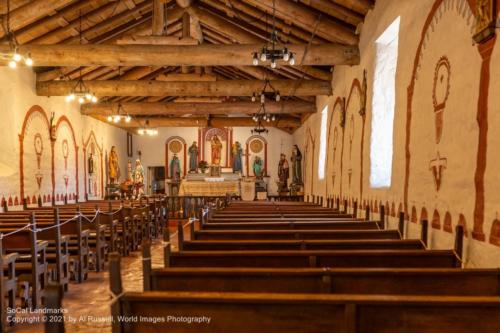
x,y
114,168
138,178
175,169
90,164
283,173
258,168
296,165
216,150
236,152
193,158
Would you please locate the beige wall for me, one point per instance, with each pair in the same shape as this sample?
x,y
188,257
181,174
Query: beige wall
x,y
17,93
449,35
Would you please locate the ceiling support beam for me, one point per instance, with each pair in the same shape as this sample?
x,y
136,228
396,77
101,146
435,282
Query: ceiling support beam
x,y
179,109
194,89
304,17
179,55
285,122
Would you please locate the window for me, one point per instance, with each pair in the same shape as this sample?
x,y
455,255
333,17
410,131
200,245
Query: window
x,y
322,144
383,103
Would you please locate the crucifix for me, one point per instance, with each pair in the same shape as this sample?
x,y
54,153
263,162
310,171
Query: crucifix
x,y
437,166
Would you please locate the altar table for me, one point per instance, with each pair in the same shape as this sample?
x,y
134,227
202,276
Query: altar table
x,y
204,188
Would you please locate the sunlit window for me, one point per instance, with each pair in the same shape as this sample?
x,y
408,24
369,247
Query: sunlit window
x,y
322,144
383,104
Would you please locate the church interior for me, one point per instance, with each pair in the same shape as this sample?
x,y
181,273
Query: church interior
x,y
249,166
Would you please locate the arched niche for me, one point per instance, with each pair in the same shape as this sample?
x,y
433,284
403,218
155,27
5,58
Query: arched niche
x,y
94,183
176,145
255,146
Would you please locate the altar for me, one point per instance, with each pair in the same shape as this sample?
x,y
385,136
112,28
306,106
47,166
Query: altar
x,y
201,184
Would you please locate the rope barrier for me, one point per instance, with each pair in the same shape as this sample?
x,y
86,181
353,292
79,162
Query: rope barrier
x,y
34,228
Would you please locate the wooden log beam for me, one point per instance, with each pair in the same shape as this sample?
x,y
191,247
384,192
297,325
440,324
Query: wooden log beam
x,y
360,6
159,25
178,55
173,108
284,122
159,88
156,40
31,12
335,10
306,18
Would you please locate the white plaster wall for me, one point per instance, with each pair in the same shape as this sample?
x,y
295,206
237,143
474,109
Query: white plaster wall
x,y
449,35
17,93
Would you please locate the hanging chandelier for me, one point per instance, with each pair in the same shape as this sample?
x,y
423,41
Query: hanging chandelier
x,y
147,130
268,92
80,91
13,56
273,53
119,116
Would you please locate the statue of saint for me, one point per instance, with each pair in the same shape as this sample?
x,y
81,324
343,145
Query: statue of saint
x,y
236,152
193,158
138,178
90,164
216,150
296,165
283,172
258,168
114,168
175,169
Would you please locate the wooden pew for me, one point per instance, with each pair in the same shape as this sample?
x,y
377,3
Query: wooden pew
x,y
294,234
8,284
317,258
265,245
338,225
31,265
273,312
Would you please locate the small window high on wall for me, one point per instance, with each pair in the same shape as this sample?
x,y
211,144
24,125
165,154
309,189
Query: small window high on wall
x,y
322,144
383,104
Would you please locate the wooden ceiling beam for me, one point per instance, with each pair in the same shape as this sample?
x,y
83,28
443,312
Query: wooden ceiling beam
x,y
306,18
258,18
335,10
360,6
284,122
178,55
31,12
159,88
174,108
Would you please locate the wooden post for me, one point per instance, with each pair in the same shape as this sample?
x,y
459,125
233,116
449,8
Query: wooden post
x,y
355,209
146,264
401,224
367,213
423,234
115,285
345,207
321,201
180,234
40,204
382,216
166,254
338,204
53,296
459,242
191,229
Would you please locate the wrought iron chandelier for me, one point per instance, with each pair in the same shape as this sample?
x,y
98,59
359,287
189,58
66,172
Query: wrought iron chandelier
x,y
147,130
273,53
13,56
119,116
80,91
267,92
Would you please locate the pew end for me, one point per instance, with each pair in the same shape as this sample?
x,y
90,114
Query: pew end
x,y
53,298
